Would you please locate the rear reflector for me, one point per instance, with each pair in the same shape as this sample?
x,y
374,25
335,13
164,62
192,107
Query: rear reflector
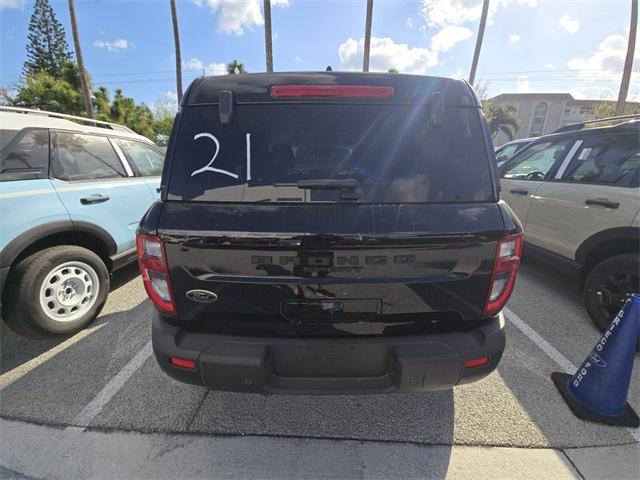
x,y
287,91
476,362
182,363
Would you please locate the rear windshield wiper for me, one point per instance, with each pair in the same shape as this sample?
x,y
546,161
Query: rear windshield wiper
x,y
330,184
349,187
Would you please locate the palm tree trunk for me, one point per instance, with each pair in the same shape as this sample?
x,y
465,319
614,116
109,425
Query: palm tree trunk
x,y
367,36
83,74
268,47
176,41
476,52
628,62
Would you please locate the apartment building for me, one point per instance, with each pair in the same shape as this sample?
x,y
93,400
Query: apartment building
x,y
542,113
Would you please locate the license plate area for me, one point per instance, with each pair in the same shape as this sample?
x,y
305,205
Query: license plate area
x,y
331,310
331,360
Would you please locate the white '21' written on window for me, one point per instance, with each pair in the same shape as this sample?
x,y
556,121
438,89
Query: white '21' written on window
x,y
209,168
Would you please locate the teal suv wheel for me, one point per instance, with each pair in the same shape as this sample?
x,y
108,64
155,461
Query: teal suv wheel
x,y
56,291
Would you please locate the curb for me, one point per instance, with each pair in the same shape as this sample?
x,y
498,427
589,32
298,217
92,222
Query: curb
x,y
39,451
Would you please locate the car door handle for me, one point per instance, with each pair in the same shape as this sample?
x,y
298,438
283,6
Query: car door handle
x,y
94,199
519,191
602,202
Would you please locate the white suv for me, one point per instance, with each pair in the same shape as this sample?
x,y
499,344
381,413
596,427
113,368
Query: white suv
x,y
577,195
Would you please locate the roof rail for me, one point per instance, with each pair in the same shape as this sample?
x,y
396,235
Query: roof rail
x,y
64,116
580,125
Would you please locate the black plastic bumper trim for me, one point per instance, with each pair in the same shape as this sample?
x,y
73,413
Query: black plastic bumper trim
x,y
329,365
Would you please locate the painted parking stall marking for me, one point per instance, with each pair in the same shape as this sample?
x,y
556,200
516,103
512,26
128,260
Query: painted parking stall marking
x,y
545,346
95,406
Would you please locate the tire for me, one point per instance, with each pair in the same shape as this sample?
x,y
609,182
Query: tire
x,y
56,291
607,284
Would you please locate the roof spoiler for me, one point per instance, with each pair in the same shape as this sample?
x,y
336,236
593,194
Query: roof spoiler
x,y
89,121
579,126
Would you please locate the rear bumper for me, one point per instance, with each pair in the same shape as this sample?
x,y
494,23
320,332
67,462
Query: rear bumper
x,y
329,365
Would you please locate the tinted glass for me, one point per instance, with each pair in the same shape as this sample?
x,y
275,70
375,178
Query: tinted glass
x,y
6,136
612,160
147,160
85,157
26,155
534,162
387,153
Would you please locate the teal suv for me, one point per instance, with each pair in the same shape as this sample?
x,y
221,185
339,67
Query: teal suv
x,y
72,192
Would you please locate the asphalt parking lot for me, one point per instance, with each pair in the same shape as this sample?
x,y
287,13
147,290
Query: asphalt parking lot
x,y
106,379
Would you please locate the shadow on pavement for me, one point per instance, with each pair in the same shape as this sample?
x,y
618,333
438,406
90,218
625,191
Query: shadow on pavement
x,y
16,350
57,389
555,276
124,275
421,417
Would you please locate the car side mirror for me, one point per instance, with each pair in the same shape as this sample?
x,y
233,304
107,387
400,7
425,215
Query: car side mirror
x,y
436,109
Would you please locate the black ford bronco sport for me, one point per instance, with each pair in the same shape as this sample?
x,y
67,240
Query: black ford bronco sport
x,y
329,233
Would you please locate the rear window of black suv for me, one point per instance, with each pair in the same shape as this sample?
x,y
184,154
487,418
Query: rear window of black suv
x,y
380,153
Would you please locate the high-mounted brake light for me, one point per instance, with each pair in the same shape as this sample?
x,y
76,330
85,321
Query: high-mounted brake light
x,y
505,269
287,91
155,274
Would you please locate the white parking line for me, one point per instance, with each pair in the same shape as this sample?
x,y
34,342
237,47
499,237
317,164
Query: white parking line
x,y
552,353
95,406
545,346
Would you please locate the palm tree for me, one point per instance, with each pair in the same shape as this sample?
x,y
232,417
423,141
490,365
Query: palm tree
x,y
628,62
501,119
268,48
476,52
235,67
367,36
84,84
176,40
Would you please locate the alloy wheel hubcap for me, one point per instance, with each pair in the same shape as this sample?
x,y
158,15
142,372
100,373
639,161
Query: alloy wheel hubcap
x,y
69,291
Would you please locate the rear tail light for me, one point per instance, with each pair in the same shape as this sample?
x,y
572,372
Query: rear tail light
x,y
286,91
155,274
505,268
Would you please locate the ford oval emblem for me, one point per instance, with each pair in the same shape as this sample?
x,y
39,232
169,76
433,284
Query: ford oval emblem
x,y
202,296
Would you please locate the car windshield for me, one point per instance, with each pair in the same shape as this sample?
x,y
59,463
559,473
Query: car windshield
x,y
535,161
389,151
505,153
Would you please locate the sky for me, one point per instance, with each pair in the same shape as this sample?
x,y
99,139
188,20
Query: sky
x,y
574,46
